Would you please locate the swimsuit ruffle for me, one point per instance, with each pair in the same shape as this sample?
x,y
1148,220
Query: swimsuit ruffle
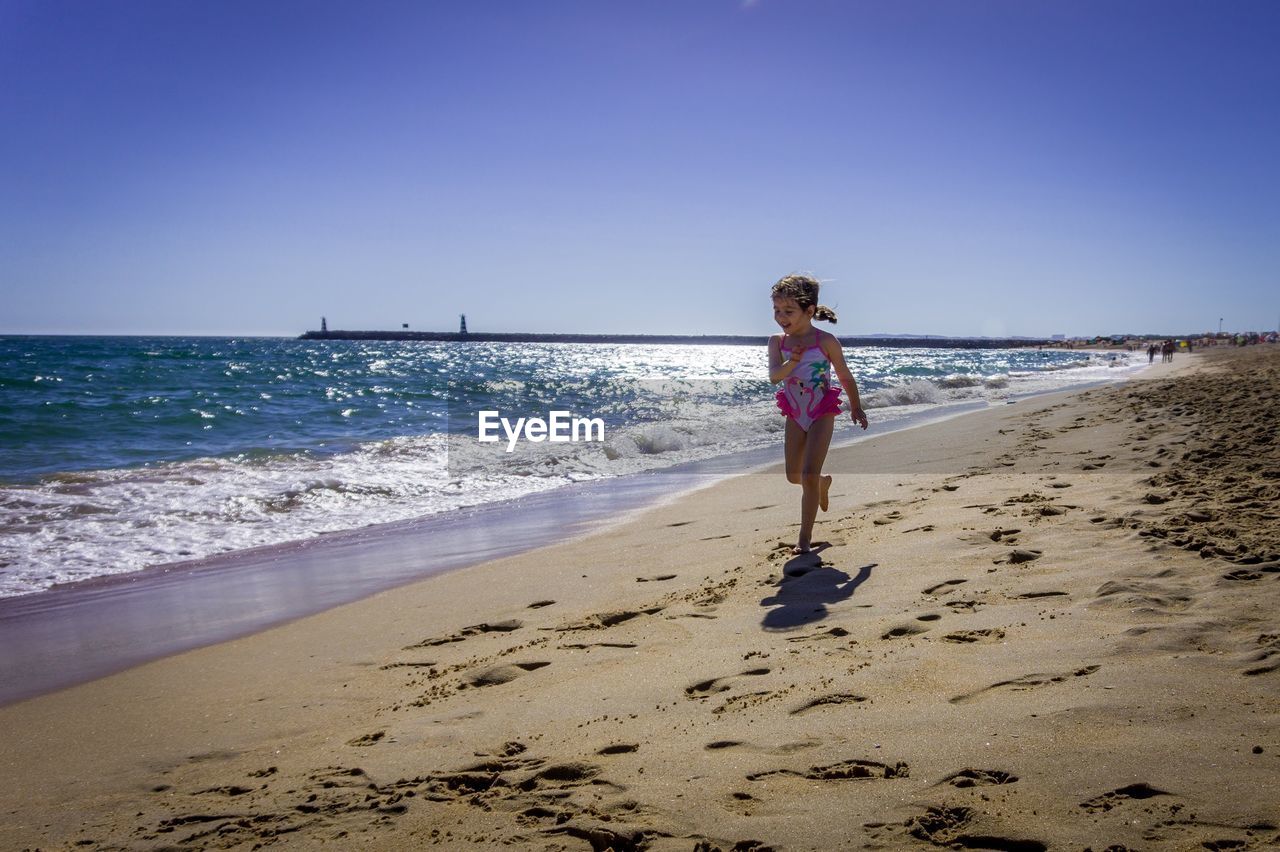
x,y
788,410
829,404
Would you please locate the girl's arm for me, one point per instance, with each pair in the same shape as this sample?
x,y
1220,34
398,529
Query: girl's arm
x,y
831,348
779,369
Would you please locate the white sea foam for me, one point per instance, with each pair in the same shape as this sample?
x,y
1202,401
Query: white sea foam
x,y
959,380
914,392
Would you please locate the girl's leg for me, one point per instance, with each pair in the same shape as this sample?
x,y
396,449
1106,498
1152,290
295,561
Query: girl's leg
x,y
793,450
812,458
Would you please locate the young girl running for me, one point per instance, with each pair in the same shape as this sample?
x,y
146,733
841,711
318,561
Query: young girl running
x,y
801,358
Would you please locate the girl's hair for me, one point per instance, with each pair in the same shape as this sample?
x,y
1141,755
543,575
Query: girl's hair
x,y
804,290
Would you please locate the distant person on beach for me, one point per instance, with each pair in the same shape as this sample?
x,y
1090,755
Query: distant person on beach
x,y
1151,354
1167,350
801,358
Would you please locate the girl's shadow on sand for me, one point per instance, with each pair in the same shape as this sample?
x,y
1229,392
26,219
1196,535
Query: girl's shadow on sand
x,y
806,589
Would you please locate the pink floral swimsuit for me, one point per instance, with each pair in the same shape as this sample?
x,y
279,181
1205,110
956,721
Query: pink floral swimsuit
x,y
807,394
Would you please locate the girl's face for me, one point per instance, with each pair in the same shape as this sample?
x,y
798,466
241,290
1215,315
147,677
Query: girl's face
x,y
789,316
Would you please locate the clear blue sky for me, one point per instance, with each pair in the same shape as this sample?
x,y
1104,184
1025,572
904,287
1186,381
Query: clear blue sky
x,y
948,167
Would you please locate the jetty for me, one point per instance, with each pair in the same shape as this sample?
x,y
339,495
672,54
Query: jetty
x,y
900,342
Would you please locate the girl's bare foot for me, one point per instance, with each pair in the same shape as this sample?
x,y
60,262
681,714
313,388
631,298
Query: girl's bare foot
x,y
822,493
801,549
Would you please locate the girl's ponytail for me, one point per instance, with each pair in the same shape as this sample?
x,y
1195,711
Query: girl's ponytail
x,y
826,314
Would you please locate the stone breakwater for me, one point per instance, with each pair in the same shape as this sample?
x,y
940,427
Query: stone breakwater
x,y
664,339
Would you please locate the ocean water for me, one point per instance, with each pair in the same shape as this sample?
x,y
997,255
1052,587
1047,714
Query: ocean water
x,y
121,453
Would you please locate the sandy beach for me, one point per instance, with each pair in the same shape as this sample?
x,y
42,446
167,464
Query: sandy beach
x,y
1044,625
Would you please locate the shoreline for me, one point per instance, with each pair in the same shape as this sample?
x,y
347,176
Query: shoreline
x,y
78,632
1017,630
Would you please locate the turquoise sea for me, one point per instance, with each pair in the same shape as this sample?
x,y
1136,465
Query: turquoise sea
x,y
120,453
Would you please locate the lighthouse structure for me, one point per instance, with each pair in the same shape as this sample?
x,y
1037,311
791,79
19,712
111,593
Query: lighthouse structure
x,y
462,329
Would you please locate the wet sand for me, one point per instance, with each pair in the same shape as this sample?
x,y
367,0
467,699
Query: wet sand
x,y
1046,625
83,631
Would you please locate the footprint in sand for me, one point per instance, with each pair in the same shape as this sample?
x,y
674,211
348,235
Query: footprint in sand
x,y
519,783
898,631
225,790
1267,655
943,587
965,637
1034,595
845,770
1242,574
584,646
1024,683
1000,535
1019,556
656,579
784,748
1141,596
798,570
410,664
722,744
1107,801
337,789
978,778
216,755
603,620
947,826
467,632
842,699
505,674
703,688
963,606
829,633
